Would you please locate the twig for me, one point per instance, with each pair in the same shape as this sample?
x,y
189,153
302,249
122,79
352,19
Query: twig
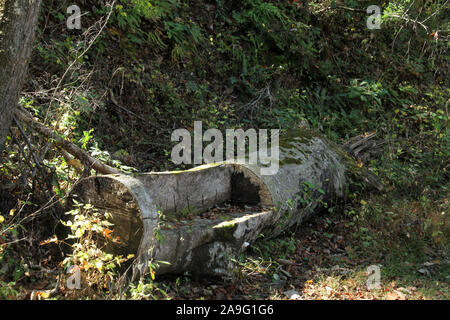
x,y
89,46
407,19
22,151
36,160
350,9
261,95
14,241
48,205
443,6
341,7
41,268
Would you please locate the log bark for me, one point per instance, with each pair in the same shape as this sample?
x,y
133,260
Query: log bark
x,y
17,29
312,172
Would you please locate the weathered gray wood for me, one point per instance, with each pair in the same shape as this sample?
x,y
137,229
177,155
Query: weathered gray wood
x,y
312,172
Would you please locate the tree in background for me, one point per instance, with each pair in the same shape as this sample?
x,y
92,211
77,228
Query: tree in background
x,y
18,21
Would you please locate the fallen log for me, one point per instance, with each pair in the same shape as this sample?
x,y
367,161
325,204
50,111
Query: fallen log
x,y
159,216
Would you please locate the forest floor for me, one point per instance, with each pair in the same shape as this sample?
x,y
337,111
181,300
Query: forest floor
x,y
323,259
320,261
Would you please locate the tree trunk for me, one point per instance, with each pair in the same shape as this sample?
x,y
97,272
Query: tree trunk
x,y
312,172
18,21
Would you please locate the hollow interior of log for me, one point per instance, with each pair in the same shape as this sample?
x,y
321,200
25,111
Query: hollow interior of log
x,y
180,197
177,194
243,191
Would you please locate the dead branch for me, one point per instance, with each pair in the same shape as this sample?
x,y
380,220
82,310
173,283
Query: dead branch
x,y
62,143
364,147
257,101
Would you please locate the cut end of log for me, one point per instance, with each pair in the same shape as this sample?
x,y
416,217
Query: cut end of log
x,y
178,201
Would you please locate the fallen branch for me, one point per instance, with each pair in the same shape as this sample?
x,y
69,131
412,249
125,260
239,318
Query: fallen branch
x,y
68,146
364,147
